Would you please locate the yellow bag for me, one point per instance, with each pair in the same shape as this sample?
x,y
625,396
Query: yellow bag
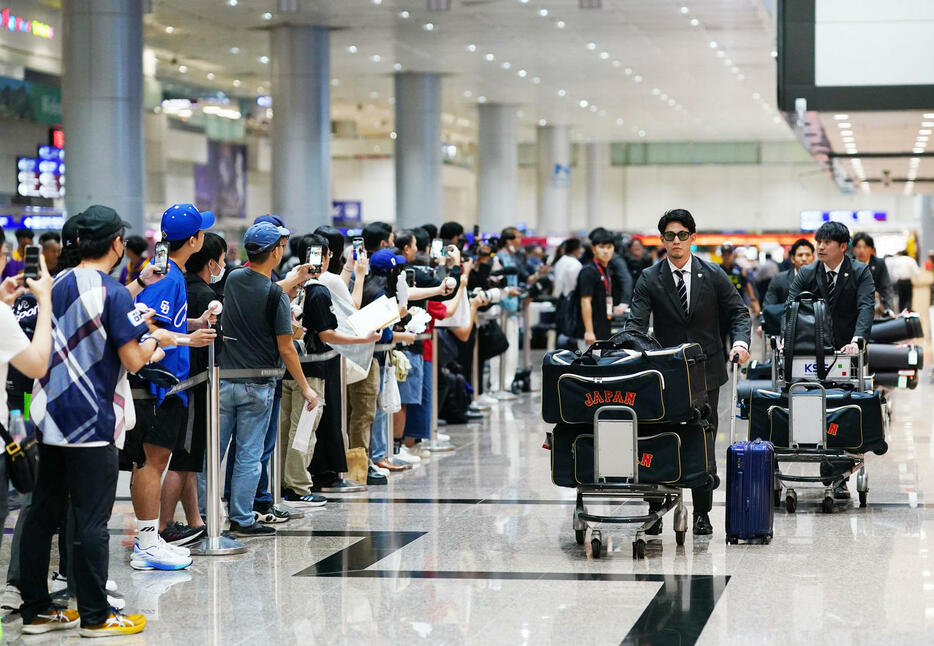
x,y
357,465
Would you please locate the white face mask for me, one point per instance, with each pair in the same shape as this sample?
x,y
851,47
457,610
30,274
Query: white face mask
x,y
217,278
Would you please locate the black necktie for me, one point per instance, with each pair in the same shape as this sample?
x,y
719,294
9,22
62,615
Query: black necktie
x,y
682,289
831,284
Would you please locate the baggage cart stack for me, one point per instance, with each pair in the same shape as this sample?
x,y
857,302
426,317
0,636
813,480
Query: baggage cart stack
x,y
629,424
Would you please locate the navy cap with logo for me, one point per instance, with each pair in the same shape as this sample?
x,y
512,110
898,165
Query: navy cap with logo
x,y
97,222
262,236
181,221
384,260
272,219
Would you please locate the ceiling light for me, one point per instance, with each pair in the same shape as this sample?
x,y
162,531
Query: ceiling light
x,y
429,26
374,95
236,83
560,24
543,12
335,82
671,102
522,74
617,64
929,115
542,123
524,1
481,99
721,53
917,151
684,10
397,66
637,78
506,65
404,15
169,29
741,77
352,49
841,117
593,108
756,96
923,138
728,62
734,69
713,44
591,46
210,76
619,121
628,71
376,58
848,140
264,60
467,94
655,91
471,47
261,90
927,124
231,3
773,54
489,57
536,80
234,50
183,69
844,124
642,133
604,55
924,132
695,22
583,103
776,119
377,2
562,92
663,97
267,16
393,135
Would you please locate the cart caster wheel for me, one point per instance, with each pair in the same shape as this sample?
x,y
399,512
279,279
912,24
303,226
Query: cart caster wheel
x,y
679,537
579,536
827,505
638,549
596,546
862,498
732,540
791,504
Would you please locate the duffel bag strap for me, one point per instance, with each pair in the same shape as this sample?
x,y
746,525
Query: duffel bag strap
x,y
791,328
820,315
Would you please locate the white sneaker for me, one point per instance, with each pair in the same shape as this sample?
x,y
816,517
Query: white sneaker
x,y
420,451
116,602
157,557
444,437
12,599
487,400
379,470
177,549
406,455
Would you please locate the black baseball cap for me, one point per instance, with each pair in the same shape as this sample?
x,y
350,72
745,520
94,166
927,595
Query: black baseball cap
x,y
97,222
70,232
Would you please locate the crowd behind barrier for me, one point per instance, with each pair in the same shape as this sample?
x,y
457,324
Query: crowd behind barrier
x,y
316,364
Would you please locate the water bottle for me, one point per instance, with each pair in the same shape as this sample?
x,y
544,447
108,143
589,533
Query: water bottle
x,y
17,426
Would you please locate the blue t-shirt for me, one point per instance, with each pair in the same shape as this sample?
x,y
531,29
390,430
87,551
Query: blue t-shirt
x,y
92,317
169,298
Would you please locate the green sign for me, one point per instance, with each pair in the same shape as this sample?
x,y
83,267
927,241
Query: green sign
x,y
30,101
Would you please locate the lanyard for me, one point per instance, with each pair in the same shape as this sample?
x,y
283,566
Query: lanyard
x,y
607,285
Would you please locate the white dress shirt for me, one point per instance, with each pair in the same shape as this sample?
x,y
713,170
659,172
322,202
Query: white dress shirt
x,y
687,286
565,271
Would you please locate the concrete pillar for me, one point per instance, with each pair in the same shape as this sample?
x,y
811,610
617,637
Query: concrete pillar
x,y
497,166
596,161
554,180
418,149
102,97
301,126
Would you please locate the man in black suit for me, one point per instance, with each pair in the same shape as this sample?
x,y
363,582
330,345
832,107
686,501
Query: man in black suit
x,y
801,254
864,250
687,297
847,287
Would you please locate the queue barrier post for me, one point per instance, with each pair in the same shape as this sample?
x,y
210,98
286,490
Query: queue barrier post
x,y
214,543
434,445
502,393
527,334
475,367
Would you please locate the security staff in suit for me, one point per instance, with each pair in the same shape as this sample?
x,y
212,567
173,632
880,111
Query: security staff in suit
x,y
801,254
864,250
848,289
687,297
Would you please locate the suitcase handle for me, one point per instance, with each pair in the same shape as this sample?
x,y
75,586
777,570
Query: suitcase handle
x,y
734,367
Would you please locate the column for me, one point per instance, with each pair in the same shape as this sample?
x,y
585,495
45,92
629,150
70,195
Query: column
x,y
596,160
921,285
301,126
418,149
554,180
102,98
497,166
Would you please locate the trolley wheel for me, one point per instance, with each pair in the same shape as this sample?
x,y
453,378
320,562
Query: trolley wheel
x,y
862,498
791,503
596,545
827,505
638,549
579,536
679,537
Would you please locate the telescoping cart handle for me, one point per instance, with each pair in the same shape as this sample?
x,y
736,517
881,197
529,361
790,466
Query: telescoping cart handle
x,y
734,366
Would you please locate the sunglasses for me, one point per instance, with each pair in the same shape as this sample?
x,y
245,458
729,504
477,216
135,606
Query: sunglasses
x,y
669,236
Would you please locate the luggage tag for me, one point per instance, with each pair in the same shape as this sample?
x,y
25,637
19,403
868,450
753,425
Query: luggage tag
x,y
609,307
913,357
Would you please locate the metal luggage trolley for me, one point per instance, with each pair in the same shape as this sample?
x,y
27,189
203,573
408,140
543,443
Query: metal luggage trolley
x,y
807,426
616,475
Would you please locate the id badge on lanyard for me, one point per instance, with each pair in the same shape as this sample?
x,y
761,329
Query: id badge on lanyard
x,y
607,286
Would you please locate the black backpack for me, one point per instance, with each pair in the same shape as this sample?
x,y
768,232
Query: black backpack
x,y
568,318
808,331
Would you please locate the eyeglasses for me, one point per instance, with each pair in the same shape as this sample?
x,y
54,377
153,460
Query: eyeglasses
x,y
669,236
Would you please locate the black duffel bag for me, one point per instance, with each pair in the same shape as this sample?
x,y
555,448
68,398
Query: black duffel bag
x,y
756,370
900,328
771,318
855,420
663,385
672,454
492,341
22,461
744,390
906,379
892,358
808,332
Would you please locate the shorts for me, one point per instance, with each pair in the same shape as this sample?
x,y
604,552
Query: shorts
x,y
165,426
410,390
190,458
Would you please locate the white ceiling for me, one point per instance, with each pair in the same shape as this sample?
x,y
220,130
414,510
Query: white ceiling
x,y
654,39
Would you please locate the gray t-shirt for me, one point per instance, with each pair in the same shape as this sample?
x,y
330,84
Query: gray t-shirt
x,y
252,343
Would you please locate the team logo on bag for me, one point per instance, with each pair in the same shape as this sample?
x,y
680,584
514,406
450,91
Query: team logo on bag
x,y
832,429
609,397
646,460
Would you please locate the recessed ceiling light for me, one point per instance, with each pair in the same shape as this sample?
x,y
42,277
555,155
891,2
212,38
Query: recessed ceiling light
x,y
728,62
846,133
374,95
236,82
231,3
848,140
776,119
397,66
844,124
560,24
393,135
583,103
923,138
234,50
924,132
663,97
524,1
429,26
489,56
734,69
593,108
642,133
619,121
773,54
183,69
720,53
929,115
404,15
637,78
335,82
756,96
927,124
536,80
542,122
210,76
713,44
628,71
671,102
656,91
481,99
377,2
741,77
604,55
467,94
917,151
376,58
169,29
695,22
591,46
522,74
562,92
506,65
543,12
352,49
684,10
841,117
267,16
471,47
264,60
617,64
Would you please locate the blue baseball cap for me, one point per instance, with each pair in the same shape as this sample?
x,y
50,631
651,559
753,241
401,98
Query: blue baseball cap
x,y
181,221
272,219
384,260
262,236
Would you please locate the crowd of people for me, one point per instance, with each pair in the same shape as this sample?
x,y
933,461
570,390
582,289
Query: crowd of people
x,y
107,362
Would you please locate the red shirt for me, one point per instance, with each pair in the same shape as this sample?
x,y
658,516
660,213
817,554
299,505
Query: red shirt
x,y
437,310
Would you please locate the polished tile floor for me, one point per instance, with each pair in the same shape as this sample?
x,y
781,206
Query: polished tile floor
x,y
476,547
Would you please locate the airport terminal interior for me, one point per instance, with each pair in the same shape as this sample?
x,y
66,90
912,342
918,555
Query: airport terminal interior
x,y
528,123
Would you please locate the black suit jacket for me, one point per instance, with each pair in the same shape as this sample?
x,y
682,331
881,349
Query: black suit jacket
x,y
880,276
778,288
712,296
853,302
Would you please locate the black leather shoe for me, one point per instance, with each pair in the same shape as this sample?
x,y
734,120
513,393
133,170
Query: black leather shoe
x,y
841,492
702,526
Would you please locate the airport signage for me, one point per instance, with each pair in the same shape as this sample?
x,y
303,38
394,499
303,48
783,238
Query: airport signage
x,y
811,220
17,23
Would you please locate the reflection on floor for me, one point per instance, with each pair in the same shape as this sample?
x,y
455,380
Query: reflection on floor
x,y
476,546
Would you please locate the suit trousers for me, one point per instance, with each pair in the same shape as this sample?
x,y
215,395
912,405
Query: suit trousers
x,y
703,496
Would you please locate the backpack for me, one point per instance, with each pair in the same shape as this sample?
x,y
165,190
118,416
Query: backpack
x,y
568,318
808,331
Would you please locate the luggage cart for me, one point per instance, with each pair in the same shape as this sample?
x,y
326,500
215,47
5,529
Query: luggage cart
x,y
616,475
807,427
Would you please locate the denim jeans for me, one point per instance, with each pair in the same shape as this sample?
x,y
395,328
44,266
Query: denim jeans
x,y
378,448
263,494
245,412
418,416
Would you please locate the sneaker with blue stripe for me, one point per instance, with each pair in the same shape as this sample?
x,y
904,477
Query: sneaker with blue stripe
x,y
160,556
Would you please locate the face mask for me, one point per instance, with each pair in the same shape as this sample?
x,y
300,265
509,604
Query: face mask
x,y
120,259
217,278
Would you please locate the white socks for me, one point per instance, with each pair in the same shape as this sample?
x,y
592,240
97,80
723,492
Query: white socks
x,y
148,533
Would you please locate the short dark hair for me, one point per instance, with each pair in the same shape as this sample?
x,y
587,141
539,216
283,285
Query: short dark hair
x,y
175,245
600,236
404,239
451,229
509,233
422,238
213,247
571,245
25,233
94,248
677,215
375,234
137,244
50,235
335,239
259,257
866,238
431,229
800,242
835,231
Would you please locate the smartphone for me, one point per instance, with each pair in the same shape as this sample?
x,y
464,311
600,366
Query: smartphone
x,y
437,248
357,245
476,233
31,259
161,259
410,277
314,258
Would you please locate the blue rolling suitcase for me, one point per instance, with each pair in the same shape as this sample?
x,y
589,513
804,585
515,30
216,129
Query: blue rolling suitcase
x,y
750,486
